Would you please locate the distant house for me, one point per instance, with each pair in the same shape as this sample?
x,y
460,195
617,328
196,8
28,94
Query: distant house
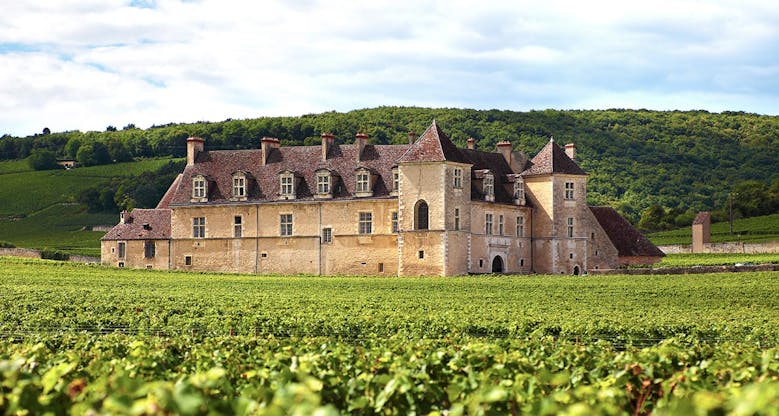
x,y
67,163
422,208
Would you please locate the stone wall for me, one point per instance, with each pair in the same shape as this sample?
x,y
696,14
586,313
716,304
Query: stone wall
x,y
738,247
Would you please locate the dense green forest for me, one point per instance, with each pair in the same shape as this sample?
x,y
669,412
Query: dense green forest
x,y
657,168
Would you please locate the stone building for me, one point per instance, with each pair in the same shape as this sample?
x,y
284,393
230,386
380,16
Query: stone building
x,y
422,208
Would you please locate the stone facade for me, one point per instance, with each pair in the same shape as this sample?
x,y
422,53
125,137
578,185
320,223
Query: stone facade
x,y
425,208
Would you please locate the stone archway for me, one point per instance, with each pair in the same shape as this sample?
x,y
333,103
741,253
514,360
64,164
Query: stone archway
x,y
576,271
497,264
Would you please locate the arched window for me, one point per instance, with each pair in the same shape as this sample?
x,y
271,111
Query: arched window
x,y
421,215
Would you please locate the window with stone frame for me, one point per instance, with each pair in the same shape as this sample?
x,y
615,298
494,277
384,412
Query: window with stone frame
x,y
327,235
395,226
287,185
239,186
121,249
237,226
457,219
199,227
520,226
395,181
199,187
363,182
569,194
500,224
323,183
149,249
366,223
488,224
489,187
458,178
570,227
519,191
285,224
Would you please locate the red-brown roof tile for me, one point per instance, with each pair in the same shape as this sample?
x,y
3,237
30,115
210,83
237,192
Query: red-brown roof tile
x,y
552,159
628,240
142,224
433,146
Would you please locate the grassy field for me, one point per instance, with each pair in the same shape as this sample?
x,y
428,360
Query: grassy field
x,y
749,230
87,339
38,210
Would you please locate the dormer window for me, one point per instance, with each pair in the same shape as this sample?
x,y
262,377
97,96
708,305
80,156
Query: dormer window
x,y
324,184
199,188
519,192
395,181
239,186
287,185
489,187
363,185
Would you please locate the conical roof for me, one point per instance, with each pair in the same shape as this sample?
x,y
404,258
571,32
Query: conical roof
x,y
552,159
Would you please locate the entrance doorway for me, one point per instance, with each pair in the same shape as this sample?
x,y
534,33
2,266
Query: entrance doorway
x,y
497,265
575,270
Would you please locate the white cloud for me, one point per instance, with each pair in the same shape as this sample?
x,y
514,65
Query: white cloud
x,y
87,64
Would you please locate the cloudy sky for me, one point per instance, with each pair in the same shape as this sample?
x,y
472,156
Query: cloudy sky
x,y
88,64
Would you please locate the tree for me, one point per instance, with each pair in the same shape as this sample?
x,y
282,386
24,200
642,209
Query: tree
x,y
752,199
42,159
110,128
71,147
91,154
46,131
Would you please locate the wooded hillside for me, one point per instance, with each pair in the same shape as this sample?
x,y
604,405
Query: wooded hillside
x,y
679,161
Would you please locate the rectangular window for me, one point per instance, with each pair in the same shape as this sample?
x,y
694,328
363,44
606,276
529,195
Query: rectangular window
x,y
570,227
323,184
458,178
149,249
457,219
327,235
237,226
363,182
488,224
395,180
489,185
395,226
199,227
500,225
122,248
285,221
366,223
569,190
519,190
381,267
520,226
239,186
187,260
199,187
286,185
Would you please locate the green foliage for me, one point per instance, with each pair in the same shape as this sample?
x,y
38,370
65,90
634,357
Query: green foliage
x,y
51,254
5,244
93,153
90,340
42,159
754,198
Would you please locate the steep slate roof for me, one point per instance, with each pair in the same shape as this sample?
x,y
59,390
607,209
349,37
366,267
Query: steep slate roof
x,y
433,146
552,159
627,240
263,181
496,164
165,201
158,221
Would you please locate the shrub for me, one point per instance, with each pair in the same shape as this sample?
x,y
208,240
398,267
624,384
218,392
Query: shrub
x,y
51,254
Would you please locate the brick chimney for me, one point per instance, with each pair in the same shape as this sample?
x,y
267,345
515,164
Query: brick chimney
x,y
570,150
122,216
268,143
328,139
471,143
194,146
504,148
412,137
362,140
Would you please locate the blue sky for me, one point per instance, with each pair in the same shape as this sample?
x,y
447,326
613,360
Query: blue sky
x,y
87,64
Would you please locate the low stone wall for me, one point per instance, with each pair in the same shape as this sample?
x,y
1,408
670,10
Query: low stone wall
x,y
741,248
20,252
690,270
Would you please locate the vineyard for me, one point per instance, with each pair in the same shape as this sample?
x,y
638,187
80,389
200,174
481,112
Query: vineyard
x,y
86,339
